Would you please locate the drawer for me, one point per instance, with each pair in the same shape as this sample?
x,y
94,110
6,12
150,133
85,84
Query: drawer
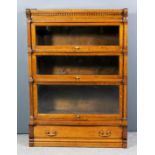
x,y
77,132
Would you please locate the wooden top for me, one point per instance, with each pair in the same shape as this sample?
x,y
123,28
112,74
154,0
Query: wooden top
x,y
77,12
108,14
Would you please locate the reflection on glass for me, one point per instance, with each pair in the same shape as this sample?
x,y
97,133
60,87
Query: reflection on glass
x,y
78,99
77,35
78,65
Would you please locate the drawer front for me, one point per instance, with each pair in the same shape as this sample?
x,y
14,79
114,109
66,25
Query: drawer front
x,y
77,132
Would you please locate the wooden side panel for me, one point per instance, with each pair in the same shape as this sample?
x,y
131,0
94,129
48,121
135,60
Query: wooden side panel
x,y
124,137
125,50
31,113
30,72
125,66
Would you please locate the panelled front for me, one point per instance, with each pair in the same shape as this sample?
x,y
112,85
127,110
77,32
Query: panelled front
x,y
78,73
77,37
95,132
77,68
80,102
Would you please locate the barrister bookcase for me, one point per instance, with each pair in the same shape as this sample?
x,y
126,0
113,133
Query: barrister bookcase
x,y
77,62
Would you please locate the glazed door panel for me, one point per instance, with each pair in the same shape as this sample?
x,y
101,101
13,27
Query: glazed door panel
x,y
85,100
77,65
76,37
77,68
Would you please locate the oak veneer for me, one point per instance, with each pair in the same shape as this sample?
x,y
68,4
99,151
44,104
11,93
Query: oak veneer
x,y
83,52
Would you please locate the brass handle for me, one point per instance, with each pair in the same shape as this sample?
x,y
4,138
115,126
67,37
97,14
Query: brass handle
x,y
76,48
77,116
77,78
51,133
103,133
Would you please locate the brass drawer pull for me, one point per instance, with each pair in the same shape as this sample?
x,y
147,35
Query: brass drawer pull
x,y
78,116
76,48
51,133
77,78
103,133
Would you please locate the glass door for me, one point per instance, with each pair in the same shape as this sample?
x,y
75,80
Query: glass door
x,y
77,68
58,101
78,65
77,37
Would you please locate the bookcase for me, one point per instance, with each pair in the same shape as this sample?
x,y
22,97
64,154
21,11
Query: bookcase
x,y
77,62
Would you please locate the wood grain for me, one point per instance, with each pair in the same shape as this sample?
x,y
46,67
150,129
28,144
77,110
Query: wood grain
x,y
81,130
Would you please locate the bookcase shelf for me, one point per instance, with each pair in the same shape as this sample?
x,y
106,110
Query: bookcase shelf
x,y
77,61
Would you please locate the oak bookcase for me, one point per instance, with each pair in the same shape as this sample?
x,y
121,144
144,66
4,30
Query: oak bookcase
x,y
77,62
